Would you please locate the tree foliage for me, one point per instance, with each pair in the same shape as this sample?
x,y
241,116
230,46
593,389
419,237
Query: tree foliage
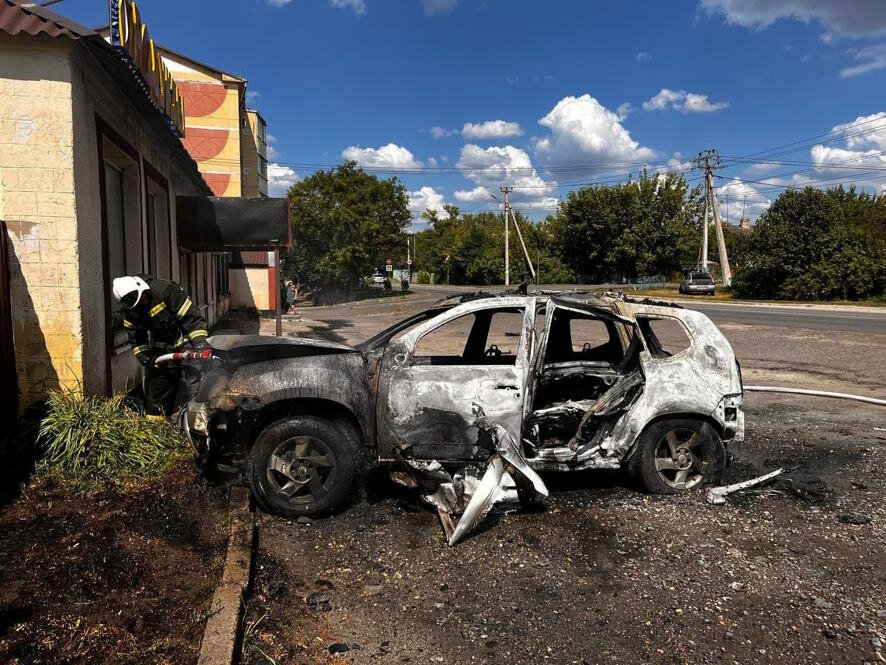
x,y
474,245
646,226
816,245
810,244
344,223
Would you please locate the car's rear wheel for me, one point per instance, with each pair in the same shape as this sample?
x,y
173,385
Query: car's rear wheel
x,y
677,454
303,466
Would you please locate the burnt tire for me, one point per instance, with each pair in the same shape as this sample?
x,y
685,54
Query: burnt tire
x,y
678,454
303,466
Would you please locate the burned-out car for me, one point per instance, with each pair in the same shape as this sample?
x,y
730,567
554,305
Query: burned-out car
x,y
545,382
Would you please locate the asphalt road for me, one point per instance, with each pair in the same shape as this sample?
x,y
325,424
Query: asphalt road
x,y
812,317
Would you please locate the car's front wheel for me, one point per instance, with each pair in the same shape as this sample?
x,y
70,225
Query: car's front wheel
x,y
677,454
303,466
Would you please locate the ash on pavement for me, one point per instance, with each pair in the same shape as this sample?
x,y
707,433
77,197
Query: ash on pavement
x,y
605,574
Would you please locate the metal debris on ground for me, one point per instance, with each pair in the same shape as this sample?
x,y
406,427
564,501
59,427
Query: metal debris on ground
x,y
508,478
717,495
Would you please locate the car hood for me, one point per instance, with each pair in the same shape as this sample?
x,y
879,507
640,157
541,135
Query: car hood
x,y
258,348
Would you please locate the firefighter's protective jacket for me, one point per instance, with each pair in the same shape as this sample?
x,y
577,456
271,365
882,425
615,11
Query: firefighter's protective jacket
x,y
168,321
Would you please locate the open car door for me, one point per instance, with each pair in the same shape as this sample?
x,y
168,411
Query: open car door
x,y
432,379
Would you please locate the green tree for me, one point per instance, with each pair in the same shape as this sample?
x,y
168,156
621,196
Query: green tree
x,y
344,223
817,245
642,227
474,245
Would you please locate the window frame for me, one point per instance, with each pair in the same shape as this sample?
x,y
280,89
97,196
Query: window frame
x,y
655,353
456,314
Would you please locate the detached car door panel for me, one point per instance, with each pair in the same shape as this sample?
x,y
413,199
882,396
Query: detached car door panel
x,y
434,377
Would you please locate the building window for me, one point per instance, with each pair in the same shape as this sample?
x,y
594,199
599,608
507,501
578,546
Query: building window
x,y
158,233
151,232
121,197
116,220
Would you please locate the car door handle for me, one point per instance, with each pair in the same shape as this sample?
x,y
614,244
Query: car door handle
x,y
502,387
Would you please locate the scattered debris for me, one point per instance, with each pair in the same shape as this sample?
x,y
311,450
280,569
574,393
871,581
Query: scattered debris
x,y
338,647
318,602
854,518
822,604
717,495
508,477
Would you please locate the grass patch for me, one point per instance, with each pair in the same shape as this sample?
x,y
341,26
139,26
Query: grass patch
x,y
86,442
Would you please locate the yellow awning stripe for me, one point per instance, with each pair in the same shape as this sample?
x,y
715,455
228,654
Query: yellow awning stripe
x,y
184,308
158,308
197,333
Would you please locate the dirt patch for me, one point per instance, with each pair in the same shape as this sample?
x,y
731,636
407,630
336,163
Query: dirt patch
x,y
117,577
605,574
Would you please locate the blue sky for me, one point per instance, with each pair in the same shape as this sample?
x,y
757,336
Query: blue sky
x,y
458,97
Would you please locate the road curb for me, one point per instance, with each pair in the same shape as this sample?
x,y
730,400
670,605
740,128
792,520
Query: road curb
x,y
222,628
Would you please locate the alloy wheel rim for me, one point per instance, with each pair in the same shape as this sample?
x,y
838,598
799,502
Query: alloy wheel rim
x,y
301,470
680,459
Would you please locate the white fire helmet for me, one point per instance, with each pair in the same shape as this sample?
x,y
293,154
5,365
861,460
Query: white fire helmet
x,y
128,290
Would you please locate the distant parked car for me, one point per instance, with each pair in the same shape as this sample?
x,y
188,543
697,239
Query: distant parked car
x,y
697,282
378,277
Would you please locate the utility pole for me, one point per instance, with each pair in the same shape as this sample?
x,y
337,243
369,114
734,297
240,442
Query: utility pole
x,y
523,244
506,191
708,161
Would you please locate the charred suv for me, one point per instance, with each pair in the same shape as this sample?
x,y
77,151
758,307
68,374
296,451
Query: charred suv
x,y
573,381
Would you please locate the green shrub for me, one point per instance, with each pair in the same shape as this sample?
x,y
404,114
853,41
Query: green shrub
x,y
88,441
422,277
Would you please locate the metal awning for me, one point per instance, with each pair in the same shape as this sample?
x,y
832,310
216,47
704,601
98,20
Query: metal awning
x,y
212,223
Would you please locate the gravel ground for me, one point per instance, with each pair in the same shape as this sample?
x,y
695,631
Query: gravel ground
x,y
606,573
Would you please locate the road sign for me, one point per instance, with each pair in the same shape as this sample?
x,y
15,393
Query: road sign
x,y
388,261
389,268
409,262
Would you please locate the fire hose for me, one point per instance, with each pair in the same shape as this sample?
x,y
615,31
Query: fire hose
x,y
179,356
815,393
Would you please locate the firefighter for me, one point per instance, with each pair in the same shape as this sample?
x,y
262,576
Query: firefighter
x,y
162,319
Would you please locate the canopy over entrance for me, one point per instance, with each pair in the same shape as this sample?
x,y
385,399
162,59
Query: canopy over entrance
x,y
210,223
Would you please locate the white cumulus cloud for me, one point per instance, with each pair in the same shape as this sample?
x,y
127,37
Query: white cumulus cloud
x,y
391,156
439,132
426,198
439,6
849,17
682,101
498,165
491,129
280,179
585,132
644,56
624,110
490,168
738,198
358,6
861,160
471,195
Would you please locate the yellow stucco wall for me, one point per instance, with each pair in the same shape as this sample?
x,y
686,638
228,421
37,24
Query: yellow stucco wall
x,y
249,287
37,201
227,117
